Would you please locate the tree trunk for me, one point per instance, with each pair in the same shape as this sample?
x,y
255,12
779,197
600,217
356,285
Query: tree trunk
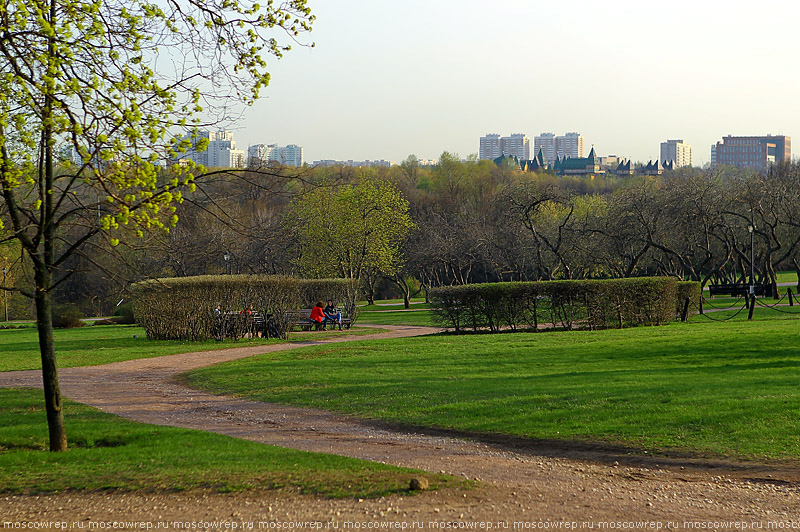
x,y
52,390
401,282
43,275
797,271
770,278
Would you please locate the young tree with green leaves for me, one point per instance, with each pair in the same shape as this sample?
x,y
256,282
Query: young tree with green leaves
x,y
117,82
349,230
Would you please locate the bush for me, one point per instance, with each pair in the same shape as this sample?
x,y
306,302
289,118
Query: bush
x,y
690,289
67,316
124,314
183,308
592,304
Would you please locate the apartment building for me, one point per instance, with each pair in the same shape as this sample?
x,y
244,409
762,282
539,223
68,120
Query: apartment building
x,y
558,147
676,151
493,146
756,153
261,154
221,151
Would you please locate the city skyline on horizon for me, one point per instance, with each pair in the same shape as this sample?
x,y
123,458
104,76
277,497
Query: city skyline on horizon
x,y
387,80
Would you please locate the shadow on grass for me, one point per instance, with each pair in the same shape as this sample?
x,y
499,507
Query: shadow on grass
x,y
773,472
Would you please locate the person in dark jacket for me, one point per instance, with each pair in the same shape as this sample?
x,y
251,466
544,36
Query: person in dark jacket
x,y
332,314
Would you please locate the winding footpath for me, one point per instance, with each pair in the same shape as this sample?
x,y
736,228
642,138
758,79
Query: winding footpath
x,y
530,482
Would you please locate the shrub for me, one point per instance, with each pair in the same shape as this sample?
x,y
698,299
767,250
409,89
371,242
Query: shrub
x,y
183,308
692,290
67,316
592,304
124,314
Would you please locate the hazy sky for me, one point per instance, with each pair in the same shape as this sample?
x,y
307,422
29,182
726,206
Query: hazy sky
x,y
389,78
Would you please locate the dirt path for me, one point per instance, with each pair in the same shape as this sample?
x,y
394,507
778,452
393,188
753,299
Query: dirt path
x,y
531,483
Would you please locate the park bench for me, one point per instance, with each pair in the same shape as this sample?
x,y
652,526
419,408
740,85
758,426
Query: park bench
x,y
735,289
300,318
233,324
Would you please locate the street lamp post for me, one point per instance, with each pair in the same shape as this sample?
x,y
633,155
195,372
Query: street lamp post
x,y
752,229
227,257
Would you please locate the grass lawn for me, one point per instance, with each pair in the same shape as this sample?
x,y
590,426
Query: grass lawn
x,y
721,389
396,317
740,314
103,344
787,277
108,452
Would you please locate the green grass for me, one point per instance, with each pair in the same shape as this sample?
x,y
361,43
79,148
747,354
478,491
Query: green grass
x,y
722,389
422,318
110,453
787,277
103,344
740,314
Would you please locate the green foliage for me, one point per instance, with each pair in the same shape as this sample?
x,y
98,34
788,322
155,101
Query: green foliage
x,y
691,290
88,73
124,314
345,230
67,316
183,308
110,453
349,230
593,304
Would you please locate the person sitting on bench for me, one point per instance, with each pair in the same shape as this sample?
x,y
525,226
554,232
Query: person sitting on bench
x,y
332,314
318,315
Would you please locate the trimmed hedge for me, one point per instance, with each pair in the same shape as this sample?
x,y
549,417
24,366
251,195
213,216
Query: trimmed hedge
x,y
592,304
182,308
692,290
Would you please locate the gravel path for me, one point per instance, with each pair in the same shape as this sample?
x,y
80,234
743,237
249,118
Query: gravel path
x,y
535,484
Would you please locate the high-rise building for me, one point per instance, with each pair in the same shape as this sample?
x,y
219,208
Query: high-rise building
x,y
221,151
518,145
490,147
262,154
493,146
677,151
546,142
290,155
757,153
569,145
258,154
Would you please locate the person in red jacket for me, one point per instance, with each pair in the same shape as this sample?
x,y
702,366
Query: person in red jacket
x,y
317,314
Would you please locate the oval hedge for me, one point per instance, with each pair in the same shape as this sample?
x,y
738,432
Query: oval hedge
x,y
183,308
592,304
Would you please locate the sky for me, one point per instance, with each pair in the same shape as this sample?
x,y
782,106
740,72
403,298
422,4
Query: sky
x,y
391,78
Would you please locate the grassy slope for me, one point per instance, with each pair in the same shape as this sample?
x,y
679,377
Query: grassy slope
x,y
111,453
725,389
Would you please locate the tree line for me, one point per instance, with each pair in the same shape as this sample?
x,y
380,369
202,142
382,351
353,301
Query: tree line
x,y
462,222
